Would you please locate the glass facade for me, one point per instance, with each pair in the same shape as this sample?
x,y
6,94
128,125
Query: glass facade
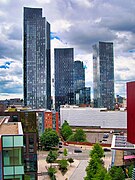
x,y
12,150
103,75
37,66
83,96
64,61
79,75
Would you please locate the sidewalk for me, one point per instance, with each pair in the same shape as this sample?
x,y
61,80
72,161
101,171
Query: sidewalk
x,y
71,169
43,165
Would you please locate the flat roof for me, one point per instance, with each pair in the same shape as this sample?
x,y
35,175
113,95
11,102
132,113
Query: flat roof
x,y
9,128
120,143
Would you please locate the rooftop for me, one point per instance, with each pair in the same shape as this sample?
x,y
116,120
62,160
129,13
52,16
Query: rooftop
x,y
9,128
120,143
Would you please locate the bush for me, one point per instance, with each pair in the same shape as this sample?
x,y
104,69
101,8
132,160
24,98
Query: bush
x,y
52,156
51,172
63,164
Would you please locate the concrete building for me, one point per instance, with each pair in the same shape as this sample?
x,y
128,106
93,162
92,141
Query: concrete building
x,y
37,60
93,117
103,75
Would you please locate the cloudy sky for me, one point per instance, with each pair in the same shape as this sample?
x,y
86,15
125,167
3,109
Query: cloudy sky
x,y
74,23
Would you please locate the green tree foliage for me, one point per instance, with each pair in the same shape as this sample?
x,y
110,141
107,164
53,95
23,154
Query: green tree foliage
x,y
66,130
97,149
51,157
63,164
49,139
51,172
107,177
79,136
65,124
117,173
65,152
100,175
130,170
93,167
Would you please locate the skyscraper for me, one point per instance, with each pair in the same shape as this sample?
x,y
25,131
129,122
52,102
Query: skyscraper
x,y
79,75
64,60
36,59
103,75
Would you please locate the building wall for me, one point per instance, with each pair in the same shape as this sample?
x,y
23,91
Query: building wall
x,y
103,75
37,67
79,76
93,117
131,112
48,120
64,94
57,121
12,161
51,120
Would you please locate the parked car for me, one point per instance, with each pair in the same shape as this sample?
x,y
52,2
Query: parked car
x,y
107,150
60,152
60,143
77,151
106,135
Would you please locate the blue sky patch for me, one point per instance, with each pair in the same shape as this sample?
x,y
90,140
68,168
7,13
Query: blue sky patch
x,y
6,65
53,36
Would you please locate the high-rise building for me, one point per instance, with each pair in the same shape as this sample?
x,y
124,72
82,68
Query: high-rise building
x,y
37,63
103,75
64,61
79,76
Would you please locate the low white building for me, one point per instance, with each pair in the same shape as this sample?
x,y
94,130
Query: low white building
x,y
93,117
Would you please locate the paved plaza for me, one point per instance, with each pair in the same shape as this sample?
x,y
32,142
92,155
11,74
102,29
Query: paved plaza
x,y
75,171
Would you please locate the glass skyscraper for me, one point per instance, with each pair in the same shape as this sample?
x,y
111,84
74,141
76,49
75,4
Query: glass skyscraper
x,y
64,90
103,75
36,59
79,75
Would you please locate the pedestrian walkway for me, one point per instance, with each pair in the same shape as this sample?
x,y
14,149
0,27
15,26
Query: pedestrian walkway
x,y
79,172
43,166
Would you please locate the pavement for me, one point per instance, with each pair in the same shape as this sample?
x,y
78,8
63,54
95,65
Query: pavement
x,y
43,166
75,171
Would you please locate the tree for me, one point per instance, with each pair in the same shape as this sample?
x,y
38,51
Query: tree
x,y
51,172
52,156
70,160
63,165
117,173
100,175
66,130
107,177
93,167
65,152
80,135
130,170
49,139
65,124
97,149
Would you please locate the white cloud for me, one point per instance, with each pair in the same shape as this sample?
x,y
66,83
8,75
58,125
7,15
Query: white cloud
x,y
79,24
61,25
